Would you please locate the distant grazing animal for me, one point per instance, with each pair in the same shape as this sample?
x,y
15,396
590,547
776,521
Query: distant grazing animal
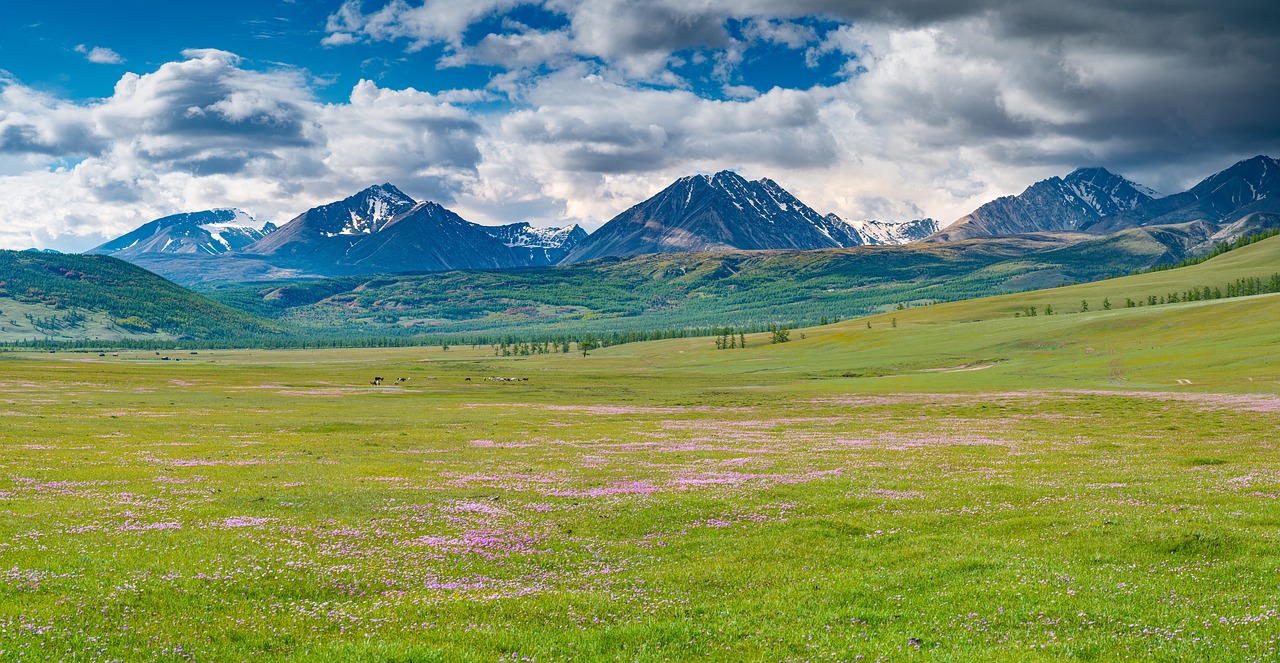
x,y
376,382
468,379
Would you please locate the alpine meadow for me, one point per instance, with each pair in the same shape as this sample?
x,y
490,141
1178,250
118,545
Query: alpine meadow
x,y
423,330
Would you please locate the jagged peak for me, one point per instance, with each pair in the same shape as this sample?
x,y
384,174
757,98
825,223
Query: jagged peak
x,y
712,179
1090,174
1101,177
386,190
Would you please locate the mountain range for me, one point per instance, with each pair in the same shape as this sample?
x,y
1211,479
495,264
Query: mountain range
x,y
383,230
1234,202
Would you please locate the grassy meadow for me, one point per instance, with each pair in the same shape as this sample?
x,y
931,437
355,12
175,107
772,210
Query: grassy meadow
x,y
951,483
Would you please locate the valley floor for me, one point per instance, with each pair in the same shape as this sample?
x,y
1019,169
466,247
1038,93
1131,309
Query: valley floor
x,y
1015,489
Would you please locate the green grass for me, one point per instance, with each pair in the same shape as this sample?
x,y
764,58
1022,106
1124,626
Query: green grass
x,y
964,486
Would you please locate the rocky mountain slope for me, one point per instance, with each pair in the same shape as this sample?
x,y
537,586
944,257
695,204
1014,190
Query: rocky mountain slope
x,y
716,213
428,238
1225,198
321,236
1234,202
872,232
1071,203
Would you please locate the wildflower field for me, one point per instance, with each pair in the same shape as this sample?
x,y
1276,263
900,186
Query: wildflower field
x,y
1096,486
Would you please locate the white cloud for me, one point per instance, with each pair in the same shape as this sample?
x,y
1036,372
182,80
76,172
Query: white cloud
x,y
205,132
433,21
100,55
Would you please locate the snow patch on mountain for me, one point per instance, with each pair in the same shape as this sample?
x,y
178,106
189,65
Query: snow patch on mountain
x,y
212,232
525,235
874,232
1105,192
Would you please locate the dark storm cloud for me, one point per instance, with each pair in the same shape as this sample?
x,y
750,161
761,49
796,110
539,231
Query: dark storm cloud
x,y
1132,85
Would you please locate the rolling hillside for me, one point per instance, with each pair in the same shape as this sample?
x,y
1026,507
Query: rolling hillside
x,y
65,297
1223,345
679,290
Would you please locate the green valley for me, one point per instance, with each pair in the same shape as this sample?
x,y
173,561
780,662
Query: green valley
x,y
950,481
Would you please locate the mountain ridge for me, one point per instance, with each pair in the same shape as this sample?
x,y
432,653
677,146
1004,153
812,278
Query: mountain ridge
x,y
1071,203
213,232
723,211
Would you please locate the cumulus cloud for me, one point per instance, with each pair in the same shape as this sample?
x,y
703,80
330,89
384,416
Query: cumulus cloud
x,y
405,136
100,55
35,124
206,115
208,132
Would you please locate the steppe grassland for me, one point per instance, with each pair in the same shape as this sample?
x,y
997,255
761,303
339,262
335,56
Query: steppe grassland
x,y
983,491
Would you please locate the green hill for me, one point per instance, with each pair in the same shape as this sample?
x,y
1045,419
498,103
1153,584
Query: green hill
x,y
45,296
1225,344
680,290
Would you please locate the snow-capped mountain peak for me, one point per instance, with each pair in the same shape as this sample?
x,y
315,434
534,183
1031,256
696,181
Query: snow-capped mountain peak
x,y
1105,192
544,246
720,212
211,232
369,211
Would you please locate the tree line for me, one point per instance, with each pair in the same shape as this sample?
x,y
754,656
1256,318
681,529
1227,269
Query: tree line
x,y
1241,287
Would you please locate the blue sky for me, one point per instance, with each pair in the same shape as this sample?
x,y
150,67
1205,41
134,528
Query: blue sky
x,y
569,111
39,48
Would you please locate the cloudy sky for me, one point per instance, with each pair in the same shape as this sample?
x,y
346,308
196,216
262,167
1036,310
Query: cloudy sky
x,y
559,111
